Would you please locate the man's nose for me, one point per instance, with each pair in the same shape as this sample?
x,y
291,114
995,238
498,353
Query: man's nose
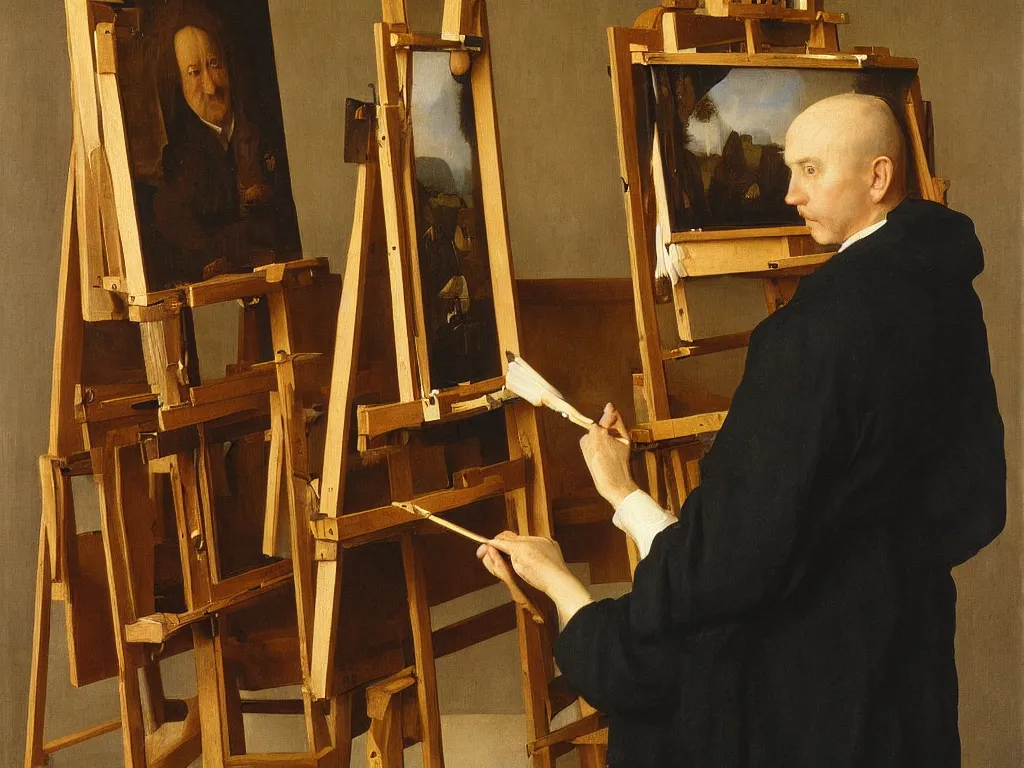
x,y
795,195
209,87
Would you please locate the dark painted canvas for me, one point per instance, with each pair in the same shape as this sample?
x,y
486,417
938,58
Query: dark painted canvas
x,y
452,243
206,140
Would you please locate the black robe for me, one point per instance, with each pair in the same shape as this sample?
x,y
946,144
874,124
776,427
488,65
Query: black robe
x,y
801,613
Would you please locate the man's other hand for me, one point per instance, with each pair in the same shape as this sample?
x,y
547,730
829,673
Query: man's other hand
x,y
607,458
539,562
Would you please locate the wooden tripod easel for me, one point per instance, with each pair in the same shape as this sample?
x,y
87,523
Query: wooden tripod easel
x,y
520,479
129,410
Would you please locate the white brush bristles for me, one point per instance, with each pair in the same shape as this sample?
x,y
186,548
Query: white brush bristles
x,y
525,382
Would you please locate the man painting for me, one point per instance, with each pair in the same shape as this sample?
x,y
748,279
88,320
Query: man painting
x,y
224,204
801,611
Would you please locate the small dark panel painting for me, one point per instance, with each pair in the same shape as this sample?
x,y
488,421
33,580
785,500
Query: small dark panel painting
x,y
203,119
722,132
455,272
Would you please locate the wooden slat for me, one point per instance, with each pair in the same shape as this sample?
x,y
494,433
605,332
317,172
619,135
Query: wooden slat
x,y
261,378
624,98
189,522
97,304
419,42
116,146
159,627
140,406
275,466
673,429
362,527
915,124
582,727
35,754
186,414
749,233
260,282
410,200
105,462
708,346
512,474
390,138
301,507
737,257
79,737
377,420
210,688
340,425
65,437
844,61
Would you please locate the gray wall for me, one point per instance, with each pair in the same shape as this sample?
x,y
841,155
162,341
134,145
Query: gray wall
x,y
566,221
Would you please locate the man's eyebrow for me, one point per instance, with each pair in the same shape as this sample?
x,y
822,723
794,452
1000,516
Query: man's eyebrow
x,y
803,160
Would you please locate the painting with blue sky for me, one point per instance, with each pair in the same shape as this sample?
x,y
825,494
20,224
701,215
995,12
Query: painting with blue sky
x,y
722,134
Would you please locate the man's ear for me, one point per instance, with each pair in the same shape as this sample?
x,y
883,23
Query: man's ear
x,y
881,178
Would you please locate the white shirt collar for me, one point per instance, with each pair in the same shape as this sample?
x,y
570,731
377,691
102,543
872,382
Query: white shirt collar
x,y
224,134
862,234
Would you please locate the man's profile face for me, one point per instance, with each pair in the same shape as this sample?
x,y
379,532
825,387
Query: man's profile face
x,y
204,76
828,186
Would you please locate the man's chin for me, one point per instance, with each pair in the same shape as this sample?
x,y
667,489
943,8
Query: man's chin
x,y
819,235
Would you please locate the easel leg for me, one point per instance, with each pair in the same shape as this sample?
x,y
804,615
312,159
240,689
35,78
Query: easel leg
x,y
339,426
34,755
106,466
534,652
423,646
211,697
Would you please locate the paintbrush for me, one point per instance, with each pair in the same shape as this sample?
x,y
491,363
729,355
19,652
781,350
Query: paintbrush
x,y
417,510
504,574
525,382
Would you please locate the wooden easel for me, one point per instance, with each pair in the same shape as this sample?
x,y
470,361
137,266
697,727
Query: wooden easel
x,y
388,162
144,433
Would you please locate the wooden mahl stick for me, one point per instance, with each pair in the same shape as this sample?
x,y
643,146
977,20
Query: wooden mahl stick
x,y
525,382
504,575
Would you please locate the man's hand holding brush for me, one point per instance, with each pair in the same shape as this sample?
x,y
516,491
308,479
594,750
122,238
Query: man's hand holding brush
x,y
538,560
607,458
539,563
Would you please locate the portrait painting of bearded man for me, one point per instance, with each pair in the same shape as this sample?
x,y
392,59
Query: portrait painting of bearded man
x,y
206,141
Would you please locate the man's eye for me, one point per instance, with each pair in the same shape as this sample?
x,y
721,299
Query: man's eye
x,y
193,71
810,170
215,63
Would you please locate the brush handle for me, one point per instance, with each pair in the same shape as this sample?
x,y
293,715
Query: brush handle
x,y
583,421
457,529
573,415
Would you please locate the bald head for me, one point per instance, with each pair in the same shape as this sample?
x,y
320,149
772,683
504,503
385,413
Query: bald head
x,y
846,154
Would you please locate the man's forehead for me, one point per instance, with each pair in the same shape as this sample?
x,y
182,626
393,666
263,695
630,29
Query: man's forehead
x,y
809,139
192,41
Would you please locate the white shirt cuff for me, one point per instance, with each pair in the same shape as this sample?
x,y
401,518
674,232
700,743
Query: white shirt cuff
x,y
642,519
